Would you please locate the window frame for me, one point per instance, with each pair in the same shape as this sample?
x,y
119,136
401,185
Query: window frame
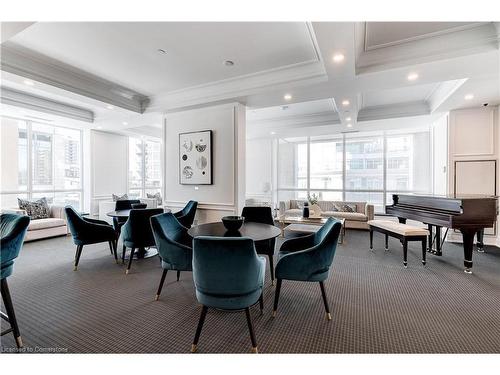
x,y
143,187
29,192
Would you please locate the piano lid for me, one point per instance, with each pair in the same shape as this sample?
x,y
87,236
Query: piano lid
x,y
449,196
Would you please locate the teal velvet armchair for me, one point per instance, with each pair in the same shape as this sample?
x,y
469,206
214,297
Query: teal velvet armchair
x,y
228,275
12,231
308,259
136,233
174,246
186,215
86,231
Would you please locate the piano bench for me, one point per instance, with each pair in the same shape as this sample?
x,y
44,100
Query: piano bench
x,y
404,232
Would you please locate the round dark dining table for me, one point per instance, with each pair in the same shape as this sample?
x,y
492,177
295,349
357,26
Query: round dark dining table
x,y
142,252
255,231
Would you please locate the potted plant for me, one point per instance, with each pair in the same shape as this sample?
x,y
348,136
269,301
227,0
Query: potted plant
x,y
313,203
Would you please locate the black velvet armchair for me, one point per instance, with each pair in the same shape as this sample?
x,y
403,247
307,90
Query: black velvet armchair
x,y
186,215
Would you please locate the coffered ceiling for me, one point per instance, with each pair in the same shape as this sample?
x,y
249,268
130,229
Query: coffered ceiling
x,y
385,69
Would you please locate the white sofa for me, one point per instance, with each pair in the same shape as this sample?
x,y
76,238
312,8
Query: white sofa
x,y
54,225
108,206
357,220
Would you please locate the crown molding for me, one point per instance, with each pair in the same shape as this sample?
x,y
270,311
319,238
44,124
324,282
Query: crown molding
x,y
314,119
21,99
29,64
305,73
459,41
380,112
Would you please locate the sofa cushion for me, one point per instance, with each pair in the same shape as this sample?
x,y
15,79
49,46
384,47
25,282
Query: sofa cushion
x,y
354,216
293,212
46,223
399,228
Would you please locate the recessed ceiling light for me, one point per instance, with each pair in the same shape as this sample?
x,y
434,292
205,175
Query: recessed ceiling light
x,y
338,57
345,103
29,82
469,97
162,50
348,119
273,133
412,76
109,106
349,125
228,62
287,97
125,123
99,127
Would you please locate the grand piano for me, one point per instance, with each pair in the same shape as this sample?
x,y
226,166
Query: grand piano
x,y
469,214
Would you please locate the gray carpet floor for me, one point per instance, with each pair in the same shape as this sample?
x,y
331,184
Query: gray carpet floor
x,y
377,305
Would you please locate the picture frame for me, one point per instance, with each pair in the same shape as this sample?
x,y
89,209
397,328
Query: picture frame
x,y
196,158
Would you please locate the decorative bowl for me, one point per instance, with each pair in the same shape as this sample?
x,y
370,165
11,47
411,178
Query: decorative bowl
x,y
233,223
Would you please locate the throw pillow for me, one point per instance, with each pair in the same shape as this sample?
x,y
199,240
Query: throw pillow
x,y
38,209
156,196
124,197
349,207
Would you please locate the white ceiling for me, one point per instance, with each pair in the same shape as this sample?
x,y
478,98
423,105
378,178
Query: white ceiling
x,y
127,52
383,34
271,59
413,93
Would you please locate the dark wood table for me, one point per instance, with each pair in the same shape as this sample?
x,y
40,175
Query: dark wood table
x,y
141,253
255,231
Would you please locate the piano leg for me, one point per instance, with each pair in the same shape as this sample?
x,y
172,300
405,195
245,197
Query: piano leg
x,y
468,238
429,240
438,241
405,253
480,244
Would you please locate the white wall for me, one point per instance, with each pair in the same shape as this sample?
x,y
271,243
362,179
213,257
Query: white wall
x,y
259,157
109,166
440,155
227,194
473,135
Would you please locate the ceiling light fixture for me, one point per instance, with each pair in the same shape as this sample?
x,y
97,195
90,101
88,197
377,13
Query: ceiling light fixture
x,y
348,119
99,127
228,62
29,82
412,76
287,97
109,106
162,50
345,103
469,97
338,57
349,125
125,123
273,133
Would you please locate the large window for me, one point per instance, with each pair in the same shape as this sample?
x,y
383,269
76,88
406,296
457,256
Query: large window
x,y
144,167
355,167
40,160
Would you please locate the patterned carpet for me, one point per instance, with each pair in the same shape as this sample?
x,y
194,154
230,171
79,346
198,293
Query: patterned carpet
x,y
377,306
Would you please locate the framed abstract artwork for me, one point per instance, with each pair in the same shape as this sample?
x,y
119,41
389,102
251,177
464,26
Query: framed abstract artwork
x,y
195,158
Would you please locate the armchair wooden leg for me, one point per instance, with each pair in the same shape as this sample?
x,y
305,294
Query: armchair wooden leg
x,y
204,310
252,333
130,260
178,275
115,252
124,249
276,296
162,280
325,301
9,307
78,254
110,247
261,303
271,268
